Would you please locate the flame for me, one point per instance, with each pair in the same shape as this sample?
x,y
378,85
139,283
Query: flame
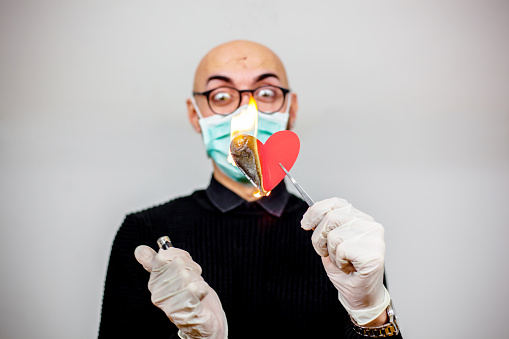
x,y
259,195
244,123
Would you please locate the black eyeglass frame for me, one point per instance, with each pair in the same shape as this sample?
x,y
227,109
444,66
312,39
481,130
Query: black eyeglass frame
x,y
207,93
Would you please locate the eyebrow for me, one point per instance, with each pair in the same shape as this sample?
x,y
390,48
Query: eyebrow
x,y
226,79
219,77
265,76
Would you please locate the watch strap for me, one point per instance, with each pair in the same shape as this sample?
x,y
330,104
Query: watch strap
x,y
388,330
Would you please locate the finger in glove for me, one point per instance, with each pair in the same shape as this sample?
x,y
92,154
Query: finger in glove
x,y
330,221
315,213
357,245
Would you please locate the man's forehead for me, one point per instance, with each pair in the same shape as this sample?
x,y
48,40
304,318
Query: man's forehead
x,y
241,61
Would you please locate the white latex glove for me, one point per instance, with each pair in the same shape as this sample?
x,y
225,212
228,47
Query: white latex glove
x,y
179,290
352,247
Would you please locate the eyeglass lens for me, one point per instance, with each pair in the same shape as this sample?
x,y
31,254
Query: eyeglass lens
x,y
225,100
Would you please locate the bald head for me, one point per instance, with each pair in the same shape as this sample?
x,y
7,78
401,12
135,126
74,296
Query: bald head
x,y
241,64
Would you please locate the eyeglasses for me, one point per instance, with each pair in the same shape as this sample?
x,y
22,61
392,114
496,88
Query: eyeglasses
x,y
225,100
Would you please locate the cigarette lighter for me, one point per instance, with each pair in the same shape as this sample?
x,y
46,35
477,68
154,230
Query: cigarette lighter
x,y
164,242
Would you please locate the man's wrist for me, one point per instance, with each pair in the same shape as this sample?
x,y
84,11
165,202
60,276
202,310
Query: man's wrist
x,y
381,320
367,315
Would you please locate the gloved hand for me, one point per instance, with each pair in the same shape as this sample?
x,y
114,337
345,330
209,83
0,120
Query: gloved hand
x,y
352,247
179,290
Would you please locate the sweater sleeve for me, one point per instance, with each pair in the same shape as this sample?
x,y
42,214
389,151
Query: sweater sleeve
x,y
127,310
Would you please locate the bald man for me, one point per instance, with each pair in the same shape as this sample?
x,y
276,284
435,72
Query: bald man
x,y
253,272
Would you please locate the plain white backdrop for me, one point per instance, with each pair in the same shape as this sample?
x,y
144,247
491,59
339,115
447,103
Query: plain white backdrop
x,y
404,111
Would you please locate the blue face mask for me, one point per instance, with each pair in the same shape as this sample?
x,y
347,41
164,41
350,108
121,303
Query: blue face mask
x,y
216,136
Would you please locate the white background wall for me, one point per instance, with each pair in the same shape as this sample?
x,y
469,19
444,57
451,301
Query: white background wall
x,y
404,111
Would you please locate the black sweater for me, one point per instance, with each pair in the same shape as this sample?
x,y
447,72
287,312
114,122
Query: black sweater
x,y
269,279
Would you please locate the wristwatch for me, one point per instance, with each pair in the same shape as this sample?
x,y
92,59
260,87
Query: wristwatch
x,y
387,330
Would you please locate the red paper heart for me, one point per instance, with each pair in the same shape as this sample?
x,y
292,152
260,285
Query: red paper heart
x,y
281,147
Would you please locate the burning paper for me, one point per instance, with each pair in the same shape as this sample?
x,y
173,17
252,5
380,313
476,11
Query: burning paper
x,y
244,151
243,147
260,162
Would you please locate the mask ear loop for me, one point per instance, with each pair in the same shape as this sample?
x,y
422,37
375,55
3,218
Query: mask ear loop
x,y
289,125
196,107
289,97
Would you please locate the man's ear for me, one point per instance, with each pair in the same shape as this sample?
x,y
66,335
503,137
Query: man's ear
x,y
293,111
193,116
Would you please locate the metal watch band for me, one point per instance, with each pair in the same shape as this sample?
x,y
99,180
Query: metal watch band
x,y
387,330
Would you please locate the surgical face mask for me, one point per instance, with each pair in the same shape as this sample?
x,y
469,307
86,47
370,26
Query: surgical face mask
x,y
216,136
